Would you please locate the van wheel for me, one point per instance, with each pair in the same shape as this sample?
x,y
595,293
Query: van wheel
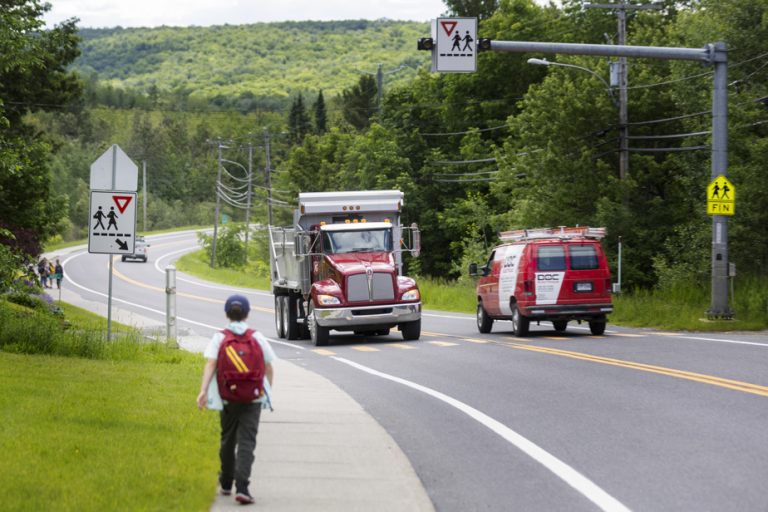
x,y
560,325
484,322
520,323
597,327
279,325
317,333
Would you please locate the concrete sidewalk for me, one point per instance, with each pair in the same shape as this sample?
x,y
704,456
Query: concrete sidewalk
x,y
319,450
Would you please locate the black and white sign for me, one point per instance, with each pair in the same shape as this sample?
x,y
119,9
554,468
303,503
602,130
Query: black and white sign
x,y
112,226
455,45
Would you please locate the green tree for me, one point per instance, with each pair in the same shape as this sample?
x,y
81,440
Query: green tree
x,y
321,116
359,102
33,76
299,124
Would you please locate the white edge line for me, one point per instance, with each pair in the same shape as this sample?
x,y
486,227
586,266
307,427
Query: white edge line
x,y
579,482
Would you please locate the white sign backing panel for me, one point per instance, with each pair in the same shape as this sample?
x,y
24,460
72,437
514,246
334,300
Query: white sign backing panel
x,y
112,220
114,170
456,45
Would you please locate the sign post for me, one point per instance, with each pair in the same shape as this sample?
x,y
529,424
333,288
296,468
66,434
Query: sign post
x,y
114,180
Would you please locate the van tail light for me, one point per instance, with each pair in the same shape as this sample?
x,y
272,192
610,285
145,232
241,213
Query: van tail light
x,y
528,287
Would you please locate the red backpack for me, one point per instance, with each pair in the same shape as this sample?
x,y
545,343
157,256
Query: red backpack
x,y
240,367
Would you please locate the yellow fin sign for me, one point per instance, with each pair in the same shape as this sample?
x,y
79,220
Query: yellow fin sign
x,y
721,197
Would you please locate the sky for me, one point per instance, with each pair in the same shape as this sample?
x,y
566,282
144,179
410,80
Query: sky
x,y
152,13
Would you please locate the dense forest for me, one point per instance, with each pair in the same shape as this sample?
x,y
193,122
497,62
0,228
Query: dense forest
x,y
513,145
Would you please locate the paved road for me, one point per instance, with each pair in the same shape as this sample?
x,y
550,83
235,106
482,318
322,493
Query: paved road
x,y
634,419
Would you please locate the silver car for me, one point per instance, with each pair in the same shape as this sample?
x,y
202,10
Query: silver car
x,y
139,251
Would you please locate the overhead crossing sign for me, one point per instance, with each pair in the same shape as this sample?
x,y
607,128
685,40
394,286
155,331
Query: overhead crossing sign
x,y
455,45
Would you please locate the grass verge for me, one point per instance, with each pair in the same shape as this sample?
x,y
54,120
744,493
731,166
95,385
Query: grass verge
x,y
113,426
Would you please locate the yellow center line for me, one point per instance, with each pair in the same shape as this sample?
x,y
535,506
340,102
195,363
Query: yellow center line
x,y
442,343
127,279
403,346
627,335
746,387
363,348
323,352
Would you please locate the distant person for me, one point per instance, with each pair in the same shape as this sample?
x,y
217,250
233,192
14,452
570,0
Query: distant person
x,y
42,271
59,272
249,351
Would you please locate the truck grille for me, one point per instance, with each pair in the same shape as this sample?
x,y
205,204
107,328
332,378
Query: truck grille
x,y
381,287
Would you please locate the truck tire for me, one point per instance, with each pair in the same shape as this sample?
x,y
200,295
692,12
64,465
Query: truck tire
x,y
289,318
597,327
411,330
317,333
560,325
279,325
484,322
520,323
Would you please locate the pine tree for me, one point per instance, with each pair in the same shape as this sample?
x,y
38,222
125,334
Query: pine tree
x,y
299,123
321,118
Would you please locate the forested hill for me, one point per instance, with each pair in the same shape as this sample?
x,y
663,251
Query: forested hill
x,y
263,60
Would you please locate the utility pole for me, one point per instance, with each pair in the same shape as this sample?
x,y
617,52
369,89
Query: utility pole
x,y
380,84
248,201
144,184
621,9
267,177
218,207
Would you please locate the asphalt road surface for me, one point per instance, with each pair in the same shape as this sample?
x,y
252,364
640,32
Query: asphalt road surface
x,y
631,420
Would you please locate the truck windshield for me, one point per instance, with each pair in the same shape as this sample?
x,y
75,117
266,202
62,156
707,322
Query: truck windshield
x,y
339,242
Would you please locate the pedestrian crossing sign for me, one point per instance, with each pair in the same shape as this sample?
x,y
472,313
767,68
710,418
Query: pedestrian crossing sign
x,y
455,45
112,222
721,197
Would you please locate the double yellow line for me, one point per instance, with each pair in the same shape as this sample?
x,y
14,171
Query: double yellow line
x,y
745,387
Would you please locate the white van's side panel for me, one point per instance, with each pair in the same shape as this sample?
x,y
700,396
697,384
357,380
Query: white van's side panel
x,y
510,257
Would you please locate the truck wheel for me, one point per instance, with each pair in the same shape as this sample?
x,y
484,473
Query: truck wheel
x,y
279,325
484,322
597,327
317,333
411,330
560,325
520,323
289,318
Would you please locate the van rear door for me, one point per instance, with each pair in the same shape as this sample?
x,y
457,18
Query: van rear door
x,y
587,275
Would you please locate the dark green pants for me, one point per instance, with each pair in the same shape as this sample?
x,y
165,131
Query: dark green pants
x,y
239,426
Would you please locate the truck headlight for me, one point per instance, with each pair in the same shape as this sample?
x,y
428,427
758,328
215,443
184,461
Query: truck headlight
x,y
328,300
411,295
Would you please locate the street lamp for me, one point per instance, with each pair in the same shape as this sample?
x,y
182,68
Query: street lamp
x,y
545,62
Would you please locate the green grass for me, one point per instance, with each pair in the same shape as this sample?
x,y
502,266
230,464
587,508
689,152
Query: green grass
x,y
94,435
196,263
113,426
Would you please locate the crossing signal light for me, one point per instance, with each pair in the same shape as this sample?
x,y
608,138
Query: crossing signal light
x,y
426,43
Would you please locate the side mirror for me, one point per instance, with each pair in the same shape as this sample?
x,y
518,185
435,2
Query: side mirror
x,y
473,269
416,240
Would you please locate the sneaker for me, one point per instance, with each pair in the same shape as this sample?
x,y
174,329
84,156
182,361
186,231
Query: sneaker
x,y
244,498
225,489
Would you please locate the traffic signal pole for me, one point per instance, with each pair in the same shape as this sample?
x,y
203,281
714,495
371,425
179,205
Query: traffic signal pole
x,y
714,54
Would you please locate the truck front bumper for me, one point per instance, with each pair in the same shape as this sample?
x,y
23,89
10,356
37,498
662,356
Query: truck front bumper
x,y
350,318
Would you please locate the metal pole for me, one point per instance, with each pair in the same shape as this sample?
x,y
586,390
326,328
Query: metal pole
x,y
170,306
218,206
719,306
623,127
380,85
144,184
248,203
268,178
111,263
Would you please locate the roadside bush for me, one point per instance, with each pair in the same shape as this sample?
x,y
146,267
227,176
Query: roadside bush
x,y
230,246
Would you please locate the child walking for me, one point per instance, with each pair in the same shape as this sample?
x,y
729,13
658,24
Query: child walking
x,y
239,417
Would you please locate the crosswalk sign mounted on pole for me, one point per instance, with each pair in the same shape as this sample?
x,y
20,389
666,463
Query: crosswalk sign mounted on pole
x,y
112,227
721,197
455,45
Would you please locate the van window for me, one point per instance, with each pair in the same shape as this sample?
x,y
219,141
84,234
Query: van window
x,y
583,257
550,257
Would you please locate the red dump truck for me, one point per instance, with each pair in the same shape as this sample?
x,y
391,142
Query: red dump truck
x,y
339,267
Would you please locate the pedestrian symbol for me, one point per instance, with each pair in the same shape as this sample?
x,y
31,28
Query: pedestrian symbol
x,y
721,197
